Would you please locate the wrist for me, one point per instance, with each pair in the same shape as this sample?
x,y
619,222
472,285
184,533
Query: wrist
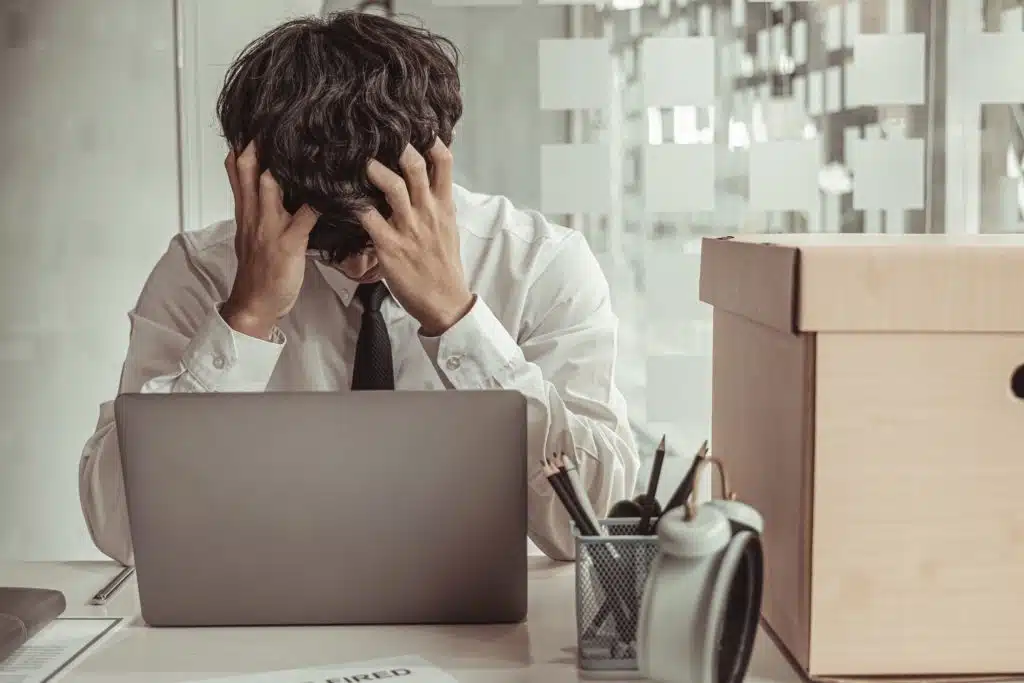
x,y
447,316
245,320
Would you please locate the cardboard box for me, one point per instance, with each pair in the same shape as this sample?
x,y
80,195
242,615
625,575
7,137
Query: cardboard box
x,y
864,401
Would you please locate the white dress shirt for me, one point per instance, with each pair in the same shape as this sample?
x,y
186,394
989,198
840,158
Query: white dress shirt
x,y
542,324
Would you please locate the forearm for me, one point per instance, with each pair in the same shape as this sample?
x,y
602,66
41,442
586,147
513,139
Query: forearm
x,y
567,411
241,319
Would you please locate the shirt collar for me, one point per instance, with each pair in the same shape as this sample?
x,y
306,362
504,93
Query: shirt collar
x,y
344,286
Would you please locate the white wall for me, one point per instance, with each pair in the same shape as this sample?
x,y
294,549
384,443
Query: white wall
x,y
88,201
211,33
89,197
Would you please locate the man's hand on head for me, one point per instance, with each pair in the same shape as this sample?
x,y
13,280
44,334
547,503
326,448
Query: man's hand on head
x,y
418,247
271,247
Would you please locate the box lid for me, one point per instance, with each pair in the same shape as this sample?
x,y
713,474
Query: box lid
x,y
855,282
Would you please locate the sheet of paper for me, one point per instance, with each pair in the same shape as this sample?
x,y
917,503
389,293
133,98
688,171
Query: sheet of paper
x,y
55,649
405,669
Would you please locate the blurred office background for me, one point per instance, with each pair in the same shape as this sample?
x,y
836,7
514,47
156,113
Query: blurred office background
x,y
646,124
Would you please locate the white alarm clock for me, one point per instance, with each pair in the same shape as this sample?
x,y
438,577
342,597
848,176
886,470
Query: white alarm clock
x,y
702,602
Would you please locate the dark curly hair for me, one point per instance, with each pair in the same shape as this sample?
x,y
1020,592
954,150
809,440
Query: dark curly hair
x,y
320,97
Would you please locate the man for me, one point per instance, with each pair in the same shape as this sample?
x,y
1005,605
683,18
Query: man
x,y
354,262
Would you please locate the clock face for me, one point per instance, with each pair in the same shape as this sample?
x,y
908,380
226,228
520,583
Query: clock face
x,y
735,639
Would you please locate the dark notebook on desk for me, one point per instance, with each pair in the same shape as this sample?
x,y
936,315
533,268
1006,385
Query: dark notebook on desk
x,y
23,613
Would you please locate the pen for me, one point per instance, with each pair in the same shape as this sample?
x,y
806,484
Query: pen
x,y
115,584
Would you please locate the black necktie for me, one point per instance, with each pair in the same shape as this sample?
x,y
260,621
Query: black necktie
x,y
372,367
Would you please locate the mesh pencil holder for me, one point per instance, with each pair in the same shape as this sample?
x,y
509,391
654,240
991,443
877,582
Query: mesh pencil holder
x,y
611,572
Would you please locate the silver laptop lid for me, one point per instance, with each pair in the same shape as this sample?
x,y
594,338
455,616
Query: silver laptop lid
x,y
327,508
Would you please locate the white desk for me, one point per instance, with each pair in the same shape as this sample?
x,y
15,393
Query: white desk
x,y
542,650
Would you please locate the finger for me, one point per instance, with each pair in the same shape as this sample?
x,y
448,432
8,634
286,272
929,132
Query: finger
x,y
379,229
414,168
393,187
302,222
247,171
231,166
272,212
443,161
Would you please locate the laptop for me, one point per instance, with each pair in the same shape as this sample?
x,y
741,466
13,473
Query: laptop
x,y
313,508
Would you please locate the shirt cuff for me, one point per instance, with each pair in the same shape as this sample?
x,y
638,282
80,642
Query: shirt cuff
x,y
475,353
223,359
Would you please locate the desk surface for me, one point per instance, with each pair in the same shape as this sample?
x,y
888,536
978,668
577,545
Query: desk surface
x,y
542,650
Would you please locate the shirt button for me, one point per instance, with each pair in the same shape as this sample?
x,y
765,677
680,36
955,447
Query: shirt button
x,y
218,362
454,363
346,294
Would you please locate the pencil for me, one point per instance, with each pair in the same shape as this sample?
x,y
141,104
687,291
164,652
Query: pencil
x,y
572,475
682,493
652,489
568,500
606,555
628,601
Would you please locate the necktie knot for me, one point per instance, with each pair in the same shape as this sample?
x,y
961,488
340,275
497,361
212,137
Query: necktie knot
x,y
372,295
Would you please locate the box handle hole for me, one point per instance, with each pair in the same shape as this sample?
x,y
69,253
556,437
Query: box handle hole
x,y
1017,382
